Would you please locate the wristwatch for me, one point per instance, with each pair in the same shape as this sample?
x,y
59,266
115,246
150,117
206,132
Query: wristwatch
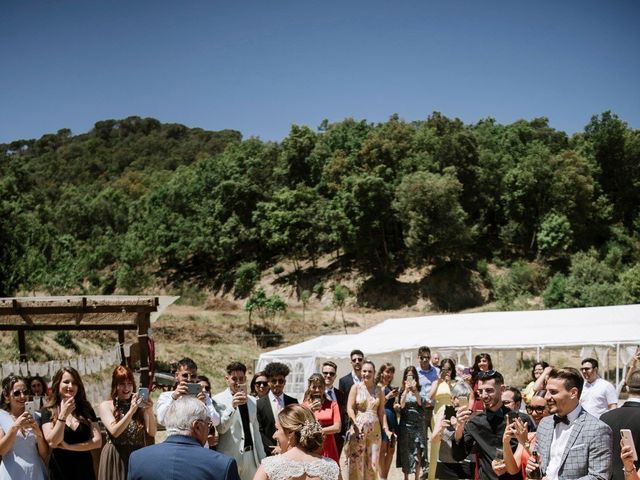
x,y
527,444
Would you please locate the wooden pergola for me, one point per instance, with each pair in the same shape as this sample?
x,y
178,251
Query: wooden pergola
x,y
112,313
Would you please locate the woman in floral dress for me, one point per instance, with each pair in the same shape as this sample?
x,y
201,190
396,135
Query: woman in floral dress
x,y
365,408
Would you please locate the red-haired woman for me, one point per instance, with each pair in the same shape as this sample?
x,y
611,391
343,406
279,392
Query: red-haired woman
x,y
70,427
128,419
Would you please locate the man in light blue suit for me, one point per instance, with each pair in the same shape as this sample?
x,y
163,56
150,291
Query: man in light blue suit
x,y
181,455
572,443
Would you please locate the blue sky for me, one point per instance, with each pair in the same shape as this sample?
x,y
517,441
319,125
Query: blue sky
x,y
260,66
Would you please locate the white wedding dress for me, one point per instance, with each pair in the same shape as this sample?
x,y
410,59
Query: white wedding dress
x,y
280,468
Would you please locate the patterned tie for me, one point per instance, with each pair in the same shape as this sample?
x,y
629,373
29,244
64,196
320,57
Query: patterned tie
x,y
330,394
279,404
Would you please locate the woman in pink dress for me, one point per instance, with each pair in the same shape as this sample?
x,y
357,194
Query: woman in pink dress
x,y
326,412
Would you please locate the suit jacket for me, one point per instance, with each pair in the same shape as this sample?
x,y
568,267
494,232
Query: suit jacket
x,y
230,431
625,416
181,457
588,451
341,400
344,385
268,422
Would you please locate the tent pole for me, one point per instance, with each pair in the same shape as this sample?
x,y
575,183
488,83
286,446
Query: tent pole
x,y
537,353
617,364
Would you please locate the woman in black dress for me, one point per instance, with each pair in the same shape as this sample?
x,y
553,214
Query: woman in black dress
x,y
70,427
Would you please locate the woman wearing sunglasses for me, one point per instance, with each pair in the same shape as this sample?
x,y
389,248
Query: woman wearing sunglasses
x,y
22,444
259,385
537,410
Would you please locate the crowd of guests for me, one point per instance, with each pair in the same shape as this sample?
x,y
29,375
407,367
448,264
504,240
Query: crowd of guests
x,y
441,421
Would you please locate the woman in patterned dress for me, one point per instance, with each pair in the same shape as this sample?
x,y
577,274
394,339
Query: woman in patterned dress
x,y
365,408
129,420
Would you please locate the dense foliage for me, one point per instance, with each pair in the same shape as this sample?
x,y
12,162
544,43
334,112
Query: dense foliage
x,y
135,204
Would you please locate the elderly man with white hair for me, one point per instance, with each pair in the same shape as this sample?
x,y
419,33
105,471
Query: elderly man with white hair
x,y
181,455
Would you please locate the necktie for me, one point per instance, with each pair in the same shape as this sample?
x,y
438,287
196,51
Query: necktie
x,y
560,419
331,394
279,404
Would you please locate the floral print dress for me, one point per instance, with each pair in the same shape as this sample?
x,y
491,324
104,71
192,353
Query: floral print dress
x,y
362,453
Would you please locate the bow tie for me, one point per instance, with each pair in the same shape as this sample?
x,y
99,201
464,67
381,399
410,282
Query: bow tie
x,y
560,419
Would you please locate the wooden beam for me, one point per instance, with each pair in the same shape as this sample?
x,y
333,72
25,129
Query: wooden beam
x,y
123,360
64,326
144,322
22,345
61,309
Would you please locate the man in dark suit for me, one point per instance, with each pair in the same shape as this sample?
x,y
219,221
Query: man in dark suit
x,y
270,405
571,443
181,455
627,416
329,370
346,382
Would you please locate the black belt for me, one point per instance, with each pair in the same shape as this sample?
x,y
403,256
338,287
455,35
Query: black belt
x,y
247,449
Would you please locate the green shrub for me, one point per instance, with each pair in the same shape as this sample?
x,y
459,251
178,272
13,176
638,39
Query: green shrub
x,y
246,277
65,339
553,295
278,269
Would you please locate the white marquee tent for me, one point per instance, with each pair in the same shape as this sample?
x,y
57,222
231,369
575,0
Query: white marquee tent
x,y
463,335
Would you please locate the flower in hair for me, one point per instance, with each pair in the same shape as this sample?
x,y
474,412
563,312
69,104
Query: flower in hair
x,y
310,428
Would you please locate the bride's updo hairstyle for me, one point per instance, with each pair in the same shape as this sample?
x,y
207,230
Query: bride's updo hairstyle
x,y
301,421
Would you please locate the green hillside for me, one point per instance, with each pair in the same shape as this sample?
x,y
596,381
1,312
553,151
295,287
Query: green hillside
x,y
484,211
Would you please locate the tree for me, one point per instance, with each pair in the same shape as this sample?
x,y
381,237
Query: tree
x,y
340,295
429,209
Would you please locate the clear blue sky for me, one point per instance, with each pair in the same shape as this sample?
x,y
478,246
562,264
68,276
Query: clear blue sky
x,y
260,66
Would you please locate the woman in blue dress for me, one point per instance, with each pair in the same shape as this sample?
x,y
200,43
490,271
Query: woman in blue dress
x,y
22,444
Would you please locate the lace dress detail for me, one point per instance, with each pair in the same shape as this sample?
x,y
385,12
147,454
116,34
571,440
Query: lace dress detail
x,y
281,468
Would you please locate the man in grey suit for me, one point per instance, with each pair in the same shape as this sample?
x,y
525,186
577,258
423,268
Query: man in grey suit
x,y
572,443
239,431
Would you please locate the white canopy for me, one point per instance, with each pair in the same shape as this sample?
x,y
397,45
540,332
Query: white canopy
x,y
398,339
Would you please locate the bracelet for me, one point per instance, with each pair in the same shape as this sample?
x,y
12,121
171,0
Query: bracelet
x,y
62,419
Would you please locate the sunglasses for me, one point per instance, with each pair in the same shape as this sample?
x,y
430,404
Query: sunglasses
x,y
278,381
329,374
586,369
537,409
186,376
17,393
425,359
488,374
262,384
357,360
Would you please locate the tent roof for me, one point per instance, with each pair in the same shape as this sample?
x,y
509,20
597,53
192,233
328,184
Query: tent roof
x,y
306,348
498,330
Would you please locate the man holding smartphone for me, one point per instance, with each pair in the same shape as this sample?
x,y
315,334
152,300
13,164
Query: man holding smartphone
x,y
186,377
625,417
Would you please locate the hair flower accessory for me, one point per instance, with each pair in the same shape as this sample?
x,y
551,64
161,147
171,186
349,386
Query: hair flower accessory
x,y
310,429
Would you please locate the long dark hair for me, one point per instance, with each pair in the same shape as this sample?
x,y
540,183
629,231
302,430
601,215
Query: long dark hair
x,y
121,374
410,370
84,411
383,368
475,370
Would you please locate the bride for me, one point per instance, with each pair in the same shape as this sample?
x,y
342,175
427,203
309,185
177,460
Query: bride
x,y
299,436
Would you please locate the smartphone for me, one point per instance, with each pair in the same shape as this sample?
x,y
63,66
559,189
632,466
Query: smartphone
x,y
499,455
463,402
143,393
193,388
242,387
449,412
511,416
466,371
30,407
627,439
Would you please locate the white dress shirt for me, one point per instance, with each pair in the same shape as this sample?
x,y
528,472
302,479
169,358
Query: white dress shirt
x,y
559,440
275,407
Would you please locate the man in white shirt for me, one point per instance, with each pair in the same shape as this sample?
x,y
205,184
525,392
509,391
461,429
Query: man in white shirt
x,y
186,372
571,443
598,395
239,430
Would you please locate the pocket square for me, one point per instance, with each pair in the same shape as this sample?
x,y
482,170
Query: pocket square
x,y
581,445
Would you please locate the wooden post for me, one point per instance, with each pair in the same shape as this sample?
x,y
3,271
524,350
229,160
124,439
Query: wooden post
x,y
144,322
123,360
22,346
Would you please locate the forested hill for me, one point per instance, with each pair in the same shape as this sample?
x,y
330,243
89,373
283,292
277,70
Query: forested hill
x,y
136,204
